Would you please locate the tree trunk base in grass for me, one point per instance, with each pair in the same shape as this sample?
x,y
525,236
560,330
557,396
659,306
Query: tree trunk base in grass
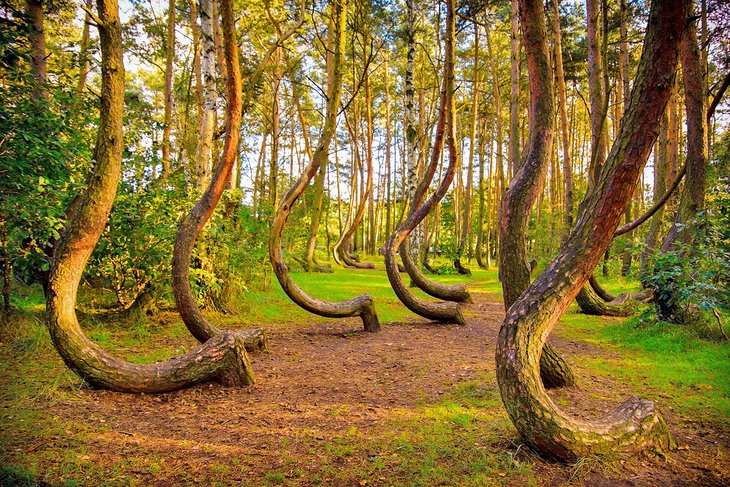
x,y
461,269
457,293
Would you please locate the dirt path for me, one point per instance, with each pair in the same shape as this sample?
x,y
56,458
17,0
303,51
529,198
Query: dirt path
x,y
329,402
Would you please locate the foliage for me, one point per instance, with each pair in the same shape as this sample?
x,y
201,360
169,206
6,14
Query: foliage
x,y
693,281
136,245
47,140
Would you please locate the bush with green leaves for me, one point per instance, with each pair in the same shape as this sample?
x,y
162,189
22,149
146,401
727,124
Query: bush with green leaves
x,y
692,282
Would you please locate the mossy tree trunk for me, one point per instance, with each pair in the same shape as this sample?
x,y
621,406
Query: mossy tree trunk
x,y
222,358
636,424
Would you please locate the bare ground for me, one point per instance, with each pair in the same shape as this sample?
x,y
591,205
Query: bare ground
x,y
322,387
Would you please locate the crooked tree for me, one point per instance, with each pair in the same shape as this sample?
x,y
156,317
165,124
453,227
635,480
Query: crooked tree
x,y
221,358
523,190
193,223
635,424
362,306
439,311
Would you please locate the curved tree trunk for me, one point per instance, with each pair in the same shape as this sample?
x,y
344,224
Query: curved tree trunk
x,y
343,245
222,358
443,312
591,303
602,292
362,306
517,202
635,424
416,193
191,226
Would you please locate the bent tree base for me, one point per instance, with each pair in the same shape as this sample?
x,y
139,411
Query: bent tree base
x,y
362,306
222,358
636,424
591,303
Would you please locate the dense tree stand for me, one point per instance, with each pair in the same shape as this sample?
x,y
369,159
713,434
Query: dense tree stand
x,y
439,311
222,358
362,306
636,424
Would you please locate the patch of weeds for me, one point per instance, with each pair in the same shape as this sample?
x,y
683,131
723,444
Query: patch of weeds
x,y
275,478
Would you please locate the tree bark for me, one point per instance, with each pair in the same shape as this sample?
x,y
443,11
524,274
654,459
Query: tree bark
x,y
597,91
518,200
685,226
84,53
636,424
466,207
168,94
203,156
193,223
443,312
362,306
39,67
513,162
222,358
563,111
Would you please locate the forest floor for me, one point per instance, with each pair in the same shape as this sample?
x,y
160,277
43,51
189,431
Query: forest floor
x,y
416,404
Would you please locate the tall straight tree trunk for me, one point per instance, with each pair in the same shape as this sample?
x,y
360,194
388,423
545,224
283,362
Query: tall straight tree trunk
x,y
596,88
222,358
275,132
168,94
636,424
388,150
563,111
514,99
627,256
37,30
466,212
84,52
481,257
369,146
203,157
197,69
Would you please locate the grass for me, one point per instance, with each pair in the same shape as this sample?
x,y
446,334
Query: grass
x,y
464,438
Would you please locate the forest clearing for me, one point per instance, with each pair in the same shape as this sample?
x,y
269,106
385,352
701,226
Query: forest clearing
x,y
418,242
416,404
